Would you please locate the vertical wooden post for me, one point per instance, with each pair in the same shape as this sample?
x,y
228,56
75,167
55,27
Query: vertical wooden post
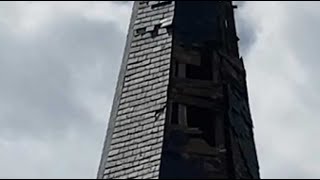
x,y
182,109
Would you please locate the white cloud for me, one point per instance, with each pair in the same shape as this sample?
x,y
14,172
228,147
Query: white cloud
x,y
281,85
30,17
58,67
57,78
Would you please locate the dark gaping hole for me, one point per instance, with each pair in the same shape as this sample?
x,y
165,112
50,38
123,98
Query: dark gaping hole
x,y
161,4
140,31
155,32
169,30
203,119
144,2
202,72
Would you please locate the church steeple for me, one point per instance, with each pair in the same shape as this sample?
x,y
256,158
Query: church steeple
x,y
181,108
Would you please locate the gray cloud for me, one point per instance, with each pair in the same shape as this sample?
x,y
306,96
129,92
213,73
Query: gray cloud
x,y
283,85
58,69
56,88
245,30
39,79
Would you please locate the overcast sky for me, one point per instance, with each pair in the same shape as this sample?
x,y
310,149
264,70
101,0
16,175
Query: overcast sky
x,y
58,67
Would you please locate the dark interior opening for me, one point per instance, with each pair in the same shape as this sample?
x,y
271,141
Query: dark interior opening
x,y
204,71
144,2
203,119
140,31
198,26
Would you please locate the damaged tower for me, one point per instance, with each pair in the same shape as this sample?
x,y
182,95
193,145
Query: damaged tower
x,y
181,106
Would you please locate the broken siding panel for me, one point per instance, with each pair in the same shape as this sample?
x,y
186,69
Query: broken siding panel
x,y
137,139
244,151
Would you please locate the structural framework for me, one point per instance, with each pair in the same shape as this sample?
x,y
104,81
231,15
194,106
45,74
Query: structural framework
x,y
181,104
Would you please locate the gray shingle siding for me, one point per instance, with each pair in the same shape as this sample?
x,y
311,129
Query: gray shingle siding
x,y
135,133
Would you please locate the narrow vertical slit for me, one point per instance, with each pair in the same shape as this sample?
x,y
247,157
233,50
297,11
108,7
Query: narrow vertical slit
x,y
155,32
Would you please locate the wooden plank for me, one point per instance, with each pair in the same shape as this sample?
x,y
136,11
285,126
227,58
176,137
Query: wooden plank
x,y
219,126
197,102
207,93
215,67
195,83
187,130
182,109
